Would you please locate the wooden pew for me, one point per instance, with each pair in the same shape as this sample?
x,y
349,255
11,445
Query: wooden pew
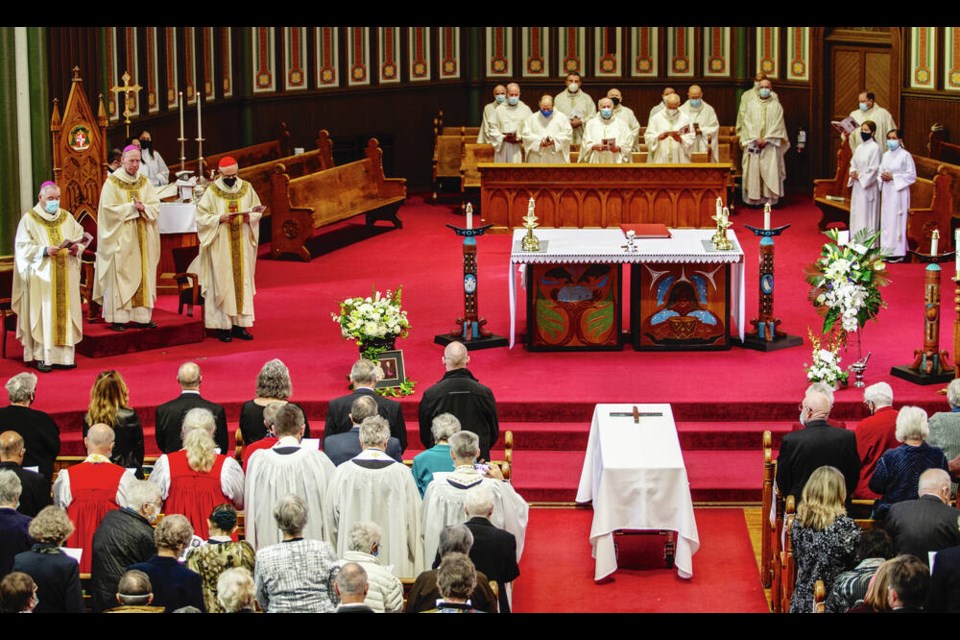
x,y
770,539
787,568
254,154
819,597
473,154
447,154
939,148
301,204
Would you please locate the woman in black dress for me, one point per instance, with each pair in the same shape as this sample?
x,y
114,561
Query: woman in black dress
x,y
273,386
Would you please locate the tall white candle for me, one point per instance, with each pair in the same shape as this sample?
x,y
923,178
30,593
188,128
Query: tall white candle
x,y
719,206
199,119
934,244
181,113
766,216
469,216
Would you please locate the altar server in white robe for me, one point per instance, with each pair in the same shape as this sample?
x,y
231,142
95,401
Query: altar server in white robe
x,y
576,105
443,503
499,97
749,96
669,135
288,467
868,109
505,129
864,167
46,282
626,114
897,173
547,134
605,138
764,141
704,119
373,487
152,162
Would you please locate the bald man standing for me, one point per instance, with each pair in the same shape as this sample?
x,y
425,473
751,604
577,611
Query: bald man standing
x,y
705,123
669,135
547,135
458,392
499,97
507,127
169,416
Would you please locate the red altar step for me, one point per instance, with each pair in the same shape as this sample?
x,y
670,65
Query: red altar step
x,y
100,341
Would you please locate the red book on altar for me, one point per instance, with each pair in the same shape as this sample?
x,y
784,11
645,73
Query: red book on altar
x,y
647,230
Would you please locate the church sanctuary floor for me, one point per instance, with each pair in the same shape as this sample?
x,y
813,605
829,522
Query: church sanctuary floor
x,y
722,400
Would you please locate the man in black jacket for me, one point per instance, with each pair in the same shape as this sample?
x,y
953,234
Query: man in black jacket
x,y
458,392
169,416
364,376
41,435
35,494
928,523
494,551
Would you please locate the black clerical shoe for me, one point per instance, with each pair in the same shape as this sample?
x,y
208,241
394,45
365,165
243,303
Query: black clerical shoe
x,y
42,367
243,334
145,325
224,335
117,326
64,366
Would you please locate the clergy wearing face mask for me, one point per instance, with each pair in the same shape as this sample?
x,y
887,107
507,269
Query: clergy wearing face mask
x,y
897,173
576,104
764,141
155,167
626,114
499,98
505,129
703,117
46,282
228,223
868,109
547,135
657,108
605,139
749,96
669,135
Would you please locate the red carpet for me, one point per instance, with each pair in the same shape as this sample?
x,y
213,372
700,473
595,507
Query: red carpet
x,y
556,573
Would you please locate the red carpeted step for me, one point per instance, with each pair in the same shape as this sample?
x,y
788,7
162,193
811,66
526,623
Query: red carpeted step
x,y
99,341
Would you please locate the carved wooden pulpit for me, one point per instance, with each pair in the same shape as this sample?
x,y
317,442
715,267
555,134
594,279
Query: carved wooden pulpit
x,y
80,168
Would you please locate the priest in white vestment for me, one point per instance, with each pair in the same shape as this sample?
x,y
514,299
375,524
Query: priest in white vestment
x,y
373,487
705,123
669,135
46,282
499,97
152,162
749,96
228,224
443,503
626,114
862,180
547,135
576,105
660,106
287,467
605,138
128,246
764,141
868,109
897,173
506,128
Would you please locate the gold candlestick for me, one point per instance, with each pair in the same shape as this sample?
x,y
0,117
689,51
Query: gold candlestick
x,y
530,242
719,239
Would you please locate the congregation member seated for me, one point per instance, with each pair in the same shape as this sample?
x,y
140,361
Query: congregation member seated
x,y
34,487
944,596
352,587
824,537
898,470
196,479
927,523
875,434
41,435
110,405
457,580
174,586
236,592
18,593
295,575
425,591
437,457
876,600
850,587
909,584
286,468
169,415
364,376
385,594
374,487
945,429
341,447
267,441
219,554
124,537
273,386
494,551
14,536
56,574
134,594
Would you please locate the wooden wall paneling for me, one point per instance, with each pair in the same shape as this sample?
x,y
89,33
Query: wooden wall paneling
x,y
69,47
921,111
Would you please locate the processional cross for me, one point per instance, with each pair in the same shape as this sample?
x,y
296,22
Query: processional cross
x,y
127,89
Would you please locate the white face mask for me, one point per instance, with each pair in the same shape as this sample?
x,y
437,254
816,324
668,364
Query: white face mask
x,y
671,112
573,87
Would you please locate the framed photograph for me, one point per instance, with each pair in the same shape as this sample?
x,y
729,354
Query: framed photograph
x,y
392,364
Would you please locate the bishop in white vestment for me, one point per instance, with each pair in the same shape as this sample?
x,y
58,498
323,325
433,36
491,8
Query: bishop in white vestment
x,y
897,173
547,135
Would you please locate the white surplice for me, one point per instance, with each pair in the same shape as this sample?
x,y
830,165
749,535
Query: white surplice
x,y
706,118
895,200
507,119
668,150
537,128
864,191
596,131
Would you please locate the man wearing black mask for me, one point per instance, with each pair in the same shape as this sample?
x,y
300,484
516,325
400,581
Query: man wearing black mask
x,y
625,114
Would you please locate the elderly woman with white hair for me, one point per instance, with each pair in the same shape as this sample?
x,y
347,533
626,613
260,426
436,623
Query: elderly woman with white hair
x,y
875,434
174,586
386,590
898,470
945,429
236,592
273,386
437,457
196,479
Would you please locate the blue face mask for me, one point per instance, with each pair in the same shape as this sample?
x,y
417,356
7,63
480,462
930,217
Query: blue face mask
x,y
893,145
513,101
500,98
52,206
696,103
546,112
605,113
764,93
863,106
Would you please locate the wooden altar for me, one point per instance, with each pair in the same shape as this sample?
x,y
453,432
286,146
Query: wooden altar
x,y
603,195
